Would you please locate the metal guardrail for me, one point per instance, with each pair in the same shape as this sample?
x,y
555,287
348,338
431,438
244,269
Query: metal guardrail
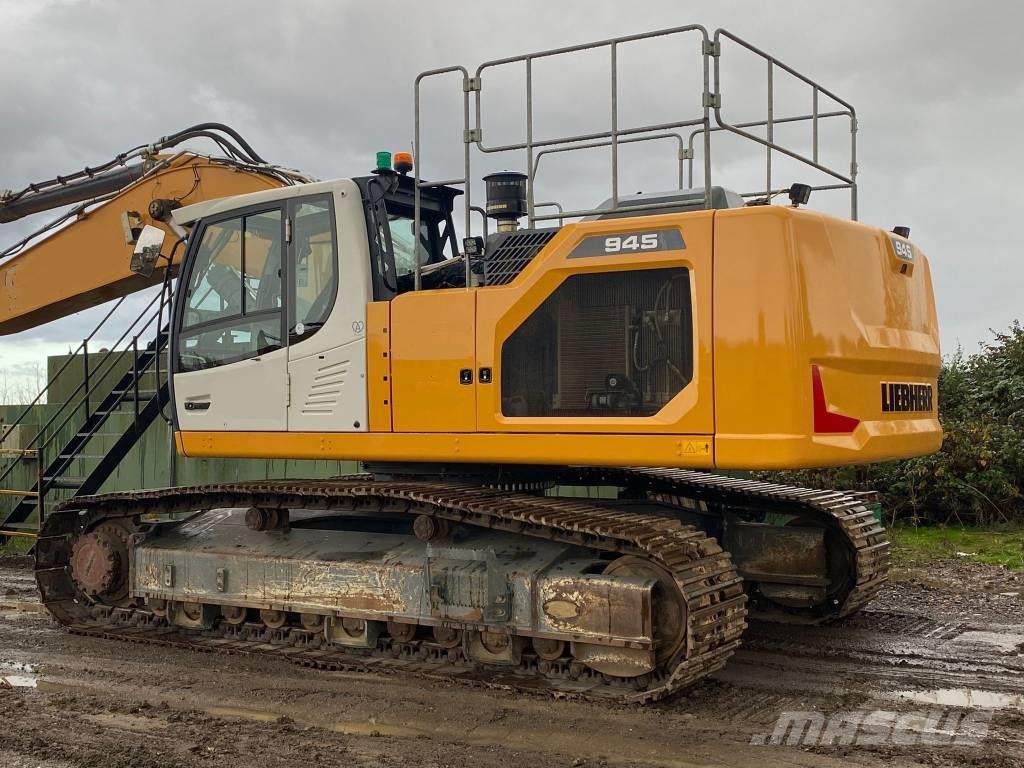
x,y
846,181
83,347
81,395
708,121
89,392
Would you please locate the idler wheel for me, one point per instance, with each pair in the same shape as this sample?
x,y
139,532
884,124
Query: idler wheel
x,y
669,609
264,519
99,562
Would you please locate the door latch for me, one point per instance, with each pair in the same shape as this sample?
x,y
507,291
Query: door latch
x,y
466,376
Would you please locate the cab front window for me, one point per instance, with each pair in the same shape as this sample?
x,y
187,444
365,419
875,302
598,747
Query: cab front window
x,y
233,302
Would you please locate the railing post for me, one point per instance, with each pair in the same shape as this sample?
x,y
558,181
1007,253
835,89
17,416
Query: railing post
x,y
615,126
770,129
530,221
814,124
135,370
157,352
85,369
41,497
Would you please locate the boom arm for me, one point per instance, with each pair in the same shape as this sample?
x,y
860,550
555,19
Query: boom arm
x,y
87,262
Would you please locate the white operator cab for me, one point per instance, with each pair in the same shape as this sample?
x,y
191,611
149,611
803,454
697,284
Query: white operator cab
x,y
270,312
269,319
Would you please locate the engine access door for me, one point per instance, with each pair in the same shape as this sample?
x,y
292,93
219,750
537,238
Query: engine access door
x,y
606,330
230,360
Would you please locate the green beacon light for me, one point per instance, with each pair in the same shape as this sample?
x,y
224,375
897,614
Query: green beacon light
x,y
383,161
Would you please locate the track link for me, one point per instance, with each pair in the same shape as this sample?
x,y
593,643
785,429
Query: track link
x,y
704,574
842,512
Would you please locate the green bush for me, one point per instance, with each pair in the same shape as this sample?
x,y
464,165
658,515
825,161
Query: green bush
x,y
978,475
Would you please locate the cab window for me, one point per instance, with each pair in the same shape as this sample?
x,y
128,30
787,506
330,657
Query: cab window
x,y
436,242
403,243
314,267
233,301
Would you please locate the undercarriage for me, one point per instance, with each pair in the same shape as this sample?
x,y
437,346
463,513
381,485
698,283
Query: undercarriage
x,y
636,588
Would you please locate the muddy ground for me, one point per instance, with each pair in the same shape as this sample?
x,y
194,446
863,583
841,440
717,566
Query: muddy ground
x,y
947,639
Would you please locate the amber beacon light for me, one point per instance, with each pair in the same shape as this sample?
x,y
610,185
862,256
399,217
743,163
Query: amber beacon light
x,y
403,162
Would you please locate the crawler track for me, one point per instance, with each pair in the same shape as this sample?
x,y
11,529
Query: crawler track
x,y
703,573
845,514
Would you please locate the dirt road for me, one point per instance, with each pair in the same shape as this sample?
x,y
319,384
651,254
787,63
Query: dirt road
x,y
947,641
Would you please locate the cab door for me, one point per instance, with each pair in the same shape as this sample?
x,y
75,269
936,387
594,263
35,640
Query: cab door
x,y
230,353
328,287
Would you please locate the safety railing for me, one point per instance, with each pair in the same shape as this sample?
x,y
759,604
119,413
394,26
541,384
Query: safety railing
x,y
847,180
700,127
82,348
94,398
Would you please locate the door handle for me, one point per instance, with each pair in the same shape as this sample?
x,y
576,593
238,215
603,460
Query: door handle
x,y
193,405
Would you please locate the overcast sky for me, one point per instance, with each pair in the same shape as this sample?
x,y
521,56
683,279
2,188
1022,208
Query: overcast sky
x,y
321,86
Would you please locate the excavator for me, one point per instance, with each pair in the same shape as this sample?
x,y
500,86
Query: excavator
x,y
548,415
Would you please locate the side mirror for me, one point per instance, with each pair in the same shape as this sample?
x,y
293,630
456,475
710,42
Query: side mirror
x,y
147,250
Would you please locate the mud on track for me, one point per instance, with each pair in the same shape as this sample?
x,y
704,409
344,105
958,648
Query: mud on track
x,y
931,638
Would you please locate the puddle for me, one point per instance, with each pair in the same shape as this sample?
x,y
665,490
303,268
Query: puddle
x,y
366,728
378,729
133,723
966,698
1003,642
21,675
476,735
259,715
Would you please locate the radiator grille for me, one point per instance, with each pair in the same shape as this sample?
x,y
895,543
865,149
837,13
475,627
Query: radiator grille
x,y
509,253
609,344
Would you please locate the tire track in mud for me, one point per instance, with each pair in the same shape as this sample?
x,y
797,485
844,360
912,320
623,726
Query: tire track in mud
x,y
877,657
866,661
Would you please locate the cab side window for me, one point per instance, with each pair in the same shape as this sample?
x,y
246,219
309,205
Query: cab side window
x,y
314,267
233,302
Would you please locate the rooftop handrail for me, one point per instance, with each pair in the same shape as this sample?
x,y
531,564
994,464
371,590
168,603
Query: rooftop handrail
x,y
757,124
709,119
530,144
681,155
769,142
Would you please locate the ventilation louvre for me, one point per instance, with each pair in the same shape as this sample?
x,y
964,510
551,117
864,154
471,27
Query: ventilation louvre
x,y
508,253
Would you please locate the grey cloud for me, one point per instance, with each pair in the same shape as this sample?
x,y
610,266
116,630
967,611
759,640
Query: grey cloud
x,y
322,85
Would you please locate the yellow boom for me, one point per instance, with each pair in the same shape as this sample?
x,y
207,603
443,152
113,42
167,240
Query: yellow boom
x,y
87,263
